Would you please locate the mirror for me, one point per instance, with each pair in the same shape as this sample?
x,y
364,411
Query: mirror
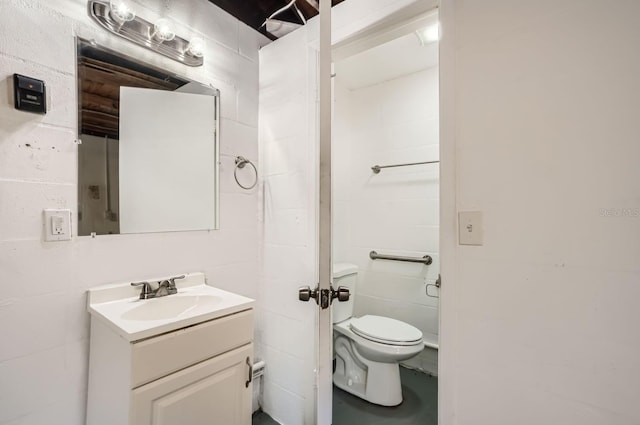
x,y
148,157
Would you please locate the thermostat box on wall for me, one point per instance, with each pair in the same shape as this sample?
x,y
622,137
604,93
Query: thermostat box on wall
x,y
29,94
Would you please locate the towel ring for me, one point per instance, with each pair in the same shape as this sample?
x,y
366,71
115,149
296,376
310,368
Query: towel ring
x,y
240,163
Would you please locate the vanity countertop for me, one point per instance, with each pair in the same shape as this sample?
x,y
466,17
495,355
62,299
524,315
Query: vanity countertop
x,y
120,308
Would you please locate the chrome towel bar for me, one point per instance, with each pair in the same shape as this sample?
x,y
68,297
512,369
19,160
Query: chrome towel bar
x,y
376,168
426,260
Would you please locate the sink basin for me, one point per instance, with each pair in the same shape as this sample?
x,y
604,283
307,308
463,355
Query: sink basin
x,y
171,306
119,306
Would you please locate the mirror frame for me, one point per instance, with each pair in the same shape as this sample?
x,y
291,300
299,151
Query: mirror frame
x,y
78,40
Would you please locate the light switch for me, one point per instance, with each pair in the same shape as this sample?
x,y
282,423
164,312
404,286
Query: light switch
x,y
57,225
470,228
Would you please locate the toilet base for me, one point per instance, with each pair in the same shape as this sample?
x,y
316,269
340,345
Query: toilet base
x,y
375,382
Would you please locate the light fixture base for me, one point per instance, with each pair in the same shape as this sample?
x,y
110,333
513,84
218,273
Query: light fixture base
x,y
139,31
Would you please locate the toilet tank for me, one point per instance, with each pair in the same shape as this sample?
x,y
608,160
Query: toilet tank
x,y
344,274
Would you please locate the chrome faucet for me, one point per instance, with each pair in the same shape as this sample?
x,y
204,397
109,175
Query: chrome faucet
x,y
164,287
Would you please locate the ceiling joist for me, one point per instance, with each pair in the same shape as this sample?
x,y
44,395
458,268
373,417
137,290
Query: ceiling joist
x,y
314,4
255,12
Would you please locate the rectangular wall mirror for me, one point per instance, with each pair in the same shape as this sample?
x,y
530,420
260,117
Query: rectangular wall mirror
x,y
148,157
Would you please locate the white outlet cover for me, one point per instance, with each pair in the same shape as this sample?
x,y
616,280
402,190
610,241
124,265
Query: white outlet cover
x,y
57,225
470,230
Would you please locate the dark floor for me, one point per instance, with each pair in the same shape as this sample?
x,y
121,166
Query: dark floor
x,y
420,405
261,418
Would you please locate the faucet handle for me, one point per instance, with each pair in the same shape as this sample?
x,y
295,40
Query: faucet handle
x,y
172,281
146,289
170,284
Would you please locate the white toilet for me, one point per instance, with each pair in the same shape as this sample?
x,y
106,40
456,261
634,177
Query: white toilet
x,y
368,349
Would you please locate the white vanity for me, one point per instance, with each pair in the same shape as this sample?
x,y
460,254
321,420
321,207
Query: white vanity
x,y
182,359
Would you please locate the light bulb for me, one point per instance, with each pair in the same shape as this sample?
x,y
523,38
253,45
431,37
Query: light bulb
x,y
121,12
431,33
162,30
196,47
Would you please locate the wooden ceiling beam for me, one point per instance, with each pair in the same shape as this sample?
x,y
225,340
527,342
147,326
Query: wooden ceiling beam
x,y
314,4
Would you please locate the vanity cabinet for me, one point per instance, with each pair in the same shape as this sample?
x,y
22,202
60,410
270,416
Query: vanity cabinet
x,y
213,391
196,375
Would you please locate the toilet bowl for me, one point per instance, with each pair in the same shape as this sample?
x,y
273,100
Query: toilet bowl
x,y
368,349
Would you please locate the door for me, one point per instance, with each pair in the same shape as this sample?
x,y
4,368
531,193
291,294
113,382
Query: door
x,y
295,338
216,391
325,264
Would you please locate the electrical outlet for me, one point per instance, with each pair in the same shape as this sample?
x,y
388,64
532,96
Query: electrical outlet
x,y
57,225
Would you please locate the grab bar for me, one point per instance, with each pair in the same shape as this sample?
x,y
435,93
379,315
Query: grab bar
x,y
376,168
426,260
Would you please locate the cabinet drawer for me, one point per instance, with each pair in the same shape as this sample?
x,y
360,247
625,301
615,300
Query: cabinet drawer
x,y
157,357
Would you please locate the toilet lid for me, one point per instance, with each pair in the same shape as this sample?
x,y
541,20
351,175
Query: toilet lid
x,y
386,330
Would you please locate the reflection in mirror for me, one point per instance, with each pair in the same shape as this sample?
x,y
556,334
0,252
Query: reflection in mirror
x,y
148,161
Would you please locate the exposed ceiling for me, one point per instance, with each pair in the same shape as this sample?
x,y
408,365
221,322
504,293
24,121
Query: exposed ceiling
x,y
254,12
100,76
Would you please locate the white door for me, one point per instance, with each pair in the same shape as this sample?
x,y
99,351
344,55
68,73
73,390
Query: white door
x,y
214,392
297,336
324,411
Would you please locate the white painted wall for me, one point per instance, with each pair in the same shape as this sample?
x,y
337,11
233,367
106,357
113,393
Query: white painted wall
x,y
43,323
289,158
540,108
395,212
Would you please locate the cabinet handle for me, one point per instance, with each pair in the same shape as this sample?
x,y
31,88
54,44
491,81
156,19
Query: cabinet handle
x,y
246,384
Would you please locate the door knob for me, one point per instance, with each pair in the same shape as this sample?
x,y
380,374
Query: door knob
x,y
325,297
305,293
342,294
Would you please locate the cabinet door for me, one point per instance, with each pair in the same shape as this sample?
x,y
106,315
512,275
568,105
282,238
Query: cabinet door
x,y
208,393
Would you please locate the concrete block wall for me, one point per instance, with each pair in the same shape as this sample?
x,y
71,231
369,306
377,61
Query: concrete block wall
x,y
43,323
394,212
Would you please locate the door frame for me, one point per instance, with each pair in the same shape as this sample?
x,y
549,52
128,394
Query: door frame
x,y
345,45
324,331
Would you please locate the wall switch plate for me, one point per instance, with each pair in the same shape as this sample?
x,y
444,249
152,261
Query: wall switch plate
x,y
470,228
57,225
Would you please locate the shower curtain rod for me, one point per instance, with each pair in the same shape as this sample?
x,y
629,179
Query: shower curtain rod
x,y
376,168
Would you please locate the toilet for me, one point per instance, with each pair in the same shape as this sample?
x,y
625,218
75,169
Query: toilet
x,y
368,349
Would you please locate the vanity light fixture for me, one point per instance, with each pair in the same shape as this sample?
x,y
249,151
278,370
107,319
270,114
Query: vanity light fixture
x,y
117,17
163,31
121,11
196,47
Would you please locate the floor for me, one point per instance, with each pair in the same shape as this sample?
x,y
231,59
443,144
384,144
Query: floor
x,y
261,418
420,405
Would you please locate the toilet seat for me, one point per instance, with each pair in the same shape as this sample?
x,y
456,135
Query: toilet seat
x,y
385,330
